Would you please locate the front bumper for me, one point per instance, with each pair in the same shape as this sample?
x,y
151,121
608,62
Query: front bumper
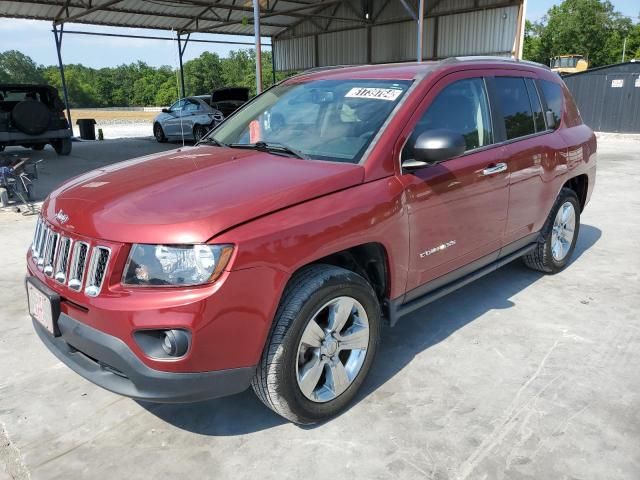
x,y
108,362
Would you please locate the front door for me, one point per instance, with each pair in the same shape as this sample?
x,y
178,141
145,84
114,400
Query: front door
x,y
457,208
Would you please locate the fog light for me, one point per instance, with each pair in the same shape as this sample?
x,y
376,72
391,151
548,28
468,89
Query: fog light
x,y
175,343
163,344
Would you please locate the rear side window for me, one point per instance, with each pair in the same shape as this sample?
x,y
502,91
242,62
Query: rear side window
x,y
462,107
516,107
536,106
553,95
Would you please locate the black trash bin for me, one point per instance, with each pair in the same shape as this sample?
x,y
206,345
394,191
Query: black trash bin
x,y
87,128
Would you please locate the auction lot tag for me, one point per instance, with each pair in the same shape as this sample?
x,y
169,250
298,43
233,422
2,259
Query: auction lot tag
x,y
389,94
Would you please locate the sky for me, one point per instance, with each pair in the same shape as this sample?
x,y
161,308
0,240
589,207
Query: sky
x,y
34,38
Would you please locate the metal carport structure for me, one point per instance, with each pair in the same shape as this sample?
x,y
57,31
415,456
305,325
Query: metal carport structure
x,y
304,34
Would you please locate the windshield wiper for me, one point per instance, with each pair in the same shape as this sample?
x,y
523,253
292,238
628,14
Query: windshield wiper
x,y
213,141
271,148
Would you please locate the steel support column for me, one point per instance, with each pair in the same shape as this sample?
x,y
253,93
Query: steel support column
x,y
181,50
57,33
256,33
420,29
273,60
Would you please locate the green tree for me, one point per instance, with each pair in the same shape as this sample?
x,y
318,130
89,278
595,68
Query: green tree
x,y
532,43
16,67
138,84
203,74
592,28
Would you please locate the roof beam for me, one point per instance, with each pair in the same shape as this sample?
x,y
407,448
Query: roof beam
x,y
102,6
285,13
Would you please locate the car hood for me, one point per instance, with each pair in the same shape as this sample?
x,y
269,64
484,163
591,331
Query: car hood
x,y
191,194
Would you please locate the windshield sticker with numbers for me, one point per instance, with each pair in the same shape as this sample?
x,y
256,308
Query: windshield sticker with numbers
x,y
389,94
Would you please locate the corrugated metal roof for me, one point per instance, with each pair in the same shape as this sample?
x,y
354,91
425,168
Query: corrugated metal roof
x,y
387,33
309,33
215,16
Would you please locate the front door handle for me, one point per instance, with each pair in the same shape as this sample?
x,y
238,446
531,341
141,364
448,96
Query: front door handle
x,y
498,168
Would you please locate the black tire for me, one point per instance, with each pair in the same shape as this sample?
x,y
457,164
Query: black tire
x,y
199,131
275,381
158,132
31,117
2,147
62,146
38,146
541,258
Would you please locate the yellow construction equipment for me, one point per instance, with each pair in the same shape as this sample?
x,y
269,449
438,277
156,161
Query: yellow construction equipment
x,y
569,64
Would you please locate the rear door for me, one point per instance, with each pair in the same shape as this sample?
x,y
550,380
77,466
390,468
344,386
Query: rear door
x,y
457,208
534,155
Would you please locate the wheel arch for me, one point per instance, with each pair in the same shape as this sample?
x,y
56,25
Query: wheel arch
x,y
369,260
580,185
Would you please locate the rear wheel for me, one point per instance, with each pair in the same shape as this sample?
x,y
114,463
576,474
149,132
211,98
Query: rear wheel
x,y
2,148
199,131
62,146
322,344
159,133
560,234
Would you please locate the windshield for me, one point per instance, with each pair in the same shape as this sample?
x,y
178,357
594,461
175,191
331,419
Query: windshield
x,y
321,119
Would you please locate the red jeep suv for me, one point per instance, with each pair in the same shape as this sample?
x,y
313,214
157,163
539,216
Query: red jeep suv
x,y
270,253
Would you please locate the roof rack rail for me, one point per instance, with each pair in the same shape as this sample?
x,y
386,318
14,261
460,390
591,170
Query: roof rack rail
x,y
484,58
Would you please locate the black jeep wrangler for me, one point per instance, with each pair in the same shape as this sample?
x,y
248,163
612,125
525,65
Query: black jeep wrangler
x,y
33,116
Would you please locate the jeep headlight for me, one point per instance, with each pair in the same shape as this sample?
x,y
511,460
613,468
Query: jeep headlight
x,y
168,265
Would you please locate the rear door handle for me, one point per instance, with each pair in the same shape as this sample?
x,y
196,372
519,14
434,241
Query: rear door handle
x,y
498,168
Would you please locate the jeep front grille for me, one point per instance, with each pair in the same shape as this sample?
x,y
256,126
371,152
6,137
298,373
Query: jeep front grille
x,y
62,262
97,269
78,263
70,262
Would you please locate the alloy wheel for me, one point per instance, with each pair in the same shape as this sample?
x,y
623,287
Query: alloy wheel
x,y
332,349
564,227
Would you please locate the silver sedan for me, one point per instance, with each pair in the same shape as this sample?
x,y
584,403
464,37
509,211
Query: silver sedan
x,y
189,118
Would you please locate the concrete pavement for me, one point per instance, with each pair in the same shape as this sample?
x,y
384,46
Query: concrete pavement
x,y
517,376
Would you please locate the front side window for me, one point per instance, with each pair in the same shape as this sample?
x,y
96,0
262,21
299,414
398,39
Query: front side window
x,y
321,119
553,95
516,107
178,106
463,108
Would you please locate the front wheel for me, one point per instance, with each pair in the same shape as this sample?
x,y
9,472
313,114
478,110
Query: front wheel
x,y
559,233
322,343
159,133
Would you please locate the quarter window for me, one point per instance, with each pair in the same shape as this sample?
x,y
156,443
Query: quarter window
x,y
462,107
516,107
553,95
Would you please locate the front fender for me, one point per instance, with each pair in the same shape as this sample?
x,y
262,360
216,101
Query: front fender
x,y
290,238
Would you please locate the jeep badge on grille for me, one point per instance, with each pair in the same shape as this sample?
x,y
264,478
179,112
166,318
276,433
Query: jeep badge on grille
x,y
62,217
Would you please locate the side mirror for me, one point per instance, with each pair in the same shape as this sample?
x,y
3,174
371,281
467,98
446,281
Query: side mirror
x,y
551,119
166,110
435,146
